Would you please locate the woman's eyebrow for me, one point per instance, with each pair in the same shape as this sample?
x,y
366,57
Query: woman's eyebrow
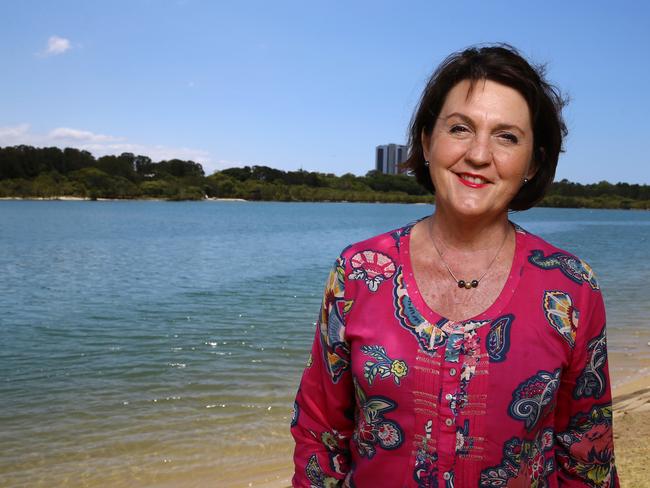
x,y
463,117
468,120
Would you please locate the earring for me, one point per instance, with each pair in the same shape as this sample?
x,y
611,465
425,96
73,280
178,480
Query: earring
x,y
426,163
525,180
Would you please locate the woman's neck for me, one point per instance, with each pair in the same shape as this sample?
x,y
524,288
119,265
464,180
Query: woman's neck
x,y
469,235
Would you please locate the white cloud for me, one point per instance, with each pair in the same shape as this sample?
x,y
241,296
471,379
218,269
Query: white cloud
x,y
102,145
79,135
57,45
10,136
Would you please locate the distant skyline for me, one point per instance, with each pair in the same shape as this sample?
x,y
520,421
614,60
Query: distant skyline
x,y
312,85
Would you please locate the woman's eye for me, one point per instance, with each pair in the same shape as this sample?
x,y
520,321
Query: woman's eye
x,y
509,137
458,129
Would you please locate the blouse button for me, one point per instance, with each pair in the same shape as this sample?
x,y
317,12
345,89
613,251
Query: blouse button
x,y
448,396
447,475
449,422
452,371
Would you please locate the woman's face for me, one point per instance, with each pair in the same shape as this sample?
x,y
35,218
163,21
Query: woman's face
x,y
480,149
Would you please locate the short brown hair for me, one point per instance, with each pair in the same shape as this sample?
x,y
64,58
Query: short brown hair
x,y
503,64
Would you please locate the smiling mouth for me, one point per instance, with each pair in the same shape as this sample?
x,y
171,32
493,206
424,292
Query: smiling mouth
x,y
473,181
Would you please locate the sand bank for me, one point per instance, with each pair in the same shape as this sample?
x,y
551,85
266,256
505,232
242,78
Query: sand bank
x,y
214,199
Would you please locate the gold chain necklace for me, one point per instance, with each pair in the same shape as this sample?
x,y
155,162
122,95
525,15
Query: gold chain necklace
x,y
469,284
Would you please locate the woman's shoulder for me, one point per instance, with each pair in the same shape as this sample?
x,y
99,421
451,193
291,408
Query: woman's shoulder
x,y
386,243
544,256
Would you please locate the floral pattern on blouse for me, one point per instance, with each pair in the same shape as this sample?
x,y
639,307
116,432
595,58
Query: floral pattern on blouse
x,y
586,449
399,396
372,428
382,366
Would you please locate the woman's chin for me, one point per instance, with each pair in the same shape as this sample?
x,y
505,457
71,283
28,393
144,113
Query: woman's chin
x,y
472,209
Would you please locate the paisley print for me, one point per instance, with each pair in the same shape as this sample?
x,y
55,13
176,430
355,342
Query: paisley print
x,y
337,449
572,267
336,352
372,267
561,314
383,366
498,339
586,449
592,381
429,336
372,429
316,476
524,462
533,398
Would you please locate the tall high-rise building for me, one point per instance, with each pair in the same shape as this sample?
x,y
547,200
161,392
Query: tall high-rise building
x,y
388,156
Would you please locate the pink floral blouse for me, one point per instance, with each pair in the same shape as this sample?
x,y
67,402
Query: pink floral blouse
x,y
394,395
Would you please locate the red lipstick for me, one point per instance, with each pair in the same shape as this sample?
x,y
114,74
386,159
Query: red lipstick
x,y
471,184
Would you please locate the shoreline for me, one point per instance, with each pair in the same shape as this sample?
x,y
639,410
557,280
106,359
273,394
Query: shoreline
x,y
65,198
218,199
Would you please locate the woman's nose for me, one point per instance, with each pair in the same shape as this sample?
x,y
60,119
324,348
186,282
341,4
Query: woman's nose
x,y
479,152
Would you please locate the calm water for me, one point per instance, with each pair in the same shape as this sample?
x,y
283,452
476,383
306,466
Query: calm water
x,y
160,344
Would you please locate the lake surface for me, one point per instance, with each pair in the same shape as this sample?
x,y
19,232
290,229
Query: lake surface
x,y
160,343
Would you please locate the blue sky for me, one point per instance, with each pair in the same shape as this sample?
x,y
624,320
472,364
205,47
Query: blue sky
x,y
305,84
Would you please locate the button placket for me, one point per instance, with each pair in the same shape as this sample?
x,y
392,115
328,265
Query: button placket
x,y
449,385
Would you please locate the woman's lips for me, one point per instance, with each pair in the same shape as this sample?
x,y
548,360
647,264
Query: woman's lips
x,y
473,181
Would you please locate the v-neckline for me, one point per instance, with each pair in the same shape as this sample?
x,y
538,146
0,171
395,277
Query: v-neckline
x,y
492,311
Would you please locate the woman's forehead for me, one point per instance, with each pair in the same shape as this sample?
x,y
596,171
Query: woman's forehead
x,y
487,100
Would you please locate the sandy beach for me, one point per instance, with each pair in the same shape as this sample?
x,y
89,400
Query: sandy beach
x,y
631,433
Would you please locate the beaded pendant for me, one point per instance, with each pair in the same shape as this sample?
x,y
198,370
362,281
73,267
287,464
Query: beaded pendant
x,y
467,284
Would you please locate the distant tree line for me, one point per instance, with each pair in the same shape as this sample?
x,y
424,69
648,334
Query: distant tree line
x,y
50,172
29,172
567,194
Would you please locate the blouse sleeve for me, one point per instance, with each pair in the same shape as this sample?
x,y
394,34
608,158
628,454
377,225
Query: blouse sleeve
x,y
585,454
323,419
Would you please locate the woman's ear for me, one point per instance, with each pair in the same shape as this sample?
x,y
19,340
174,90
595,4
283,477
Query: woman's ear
x,y
533,166
426,142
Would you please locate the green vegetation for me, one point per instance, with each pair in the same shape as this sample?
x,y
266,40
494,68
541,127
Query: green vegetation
x,y
29,172
565,194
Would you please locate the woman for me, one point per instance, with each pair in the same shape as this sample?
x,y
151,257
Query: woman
x,y
461,350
